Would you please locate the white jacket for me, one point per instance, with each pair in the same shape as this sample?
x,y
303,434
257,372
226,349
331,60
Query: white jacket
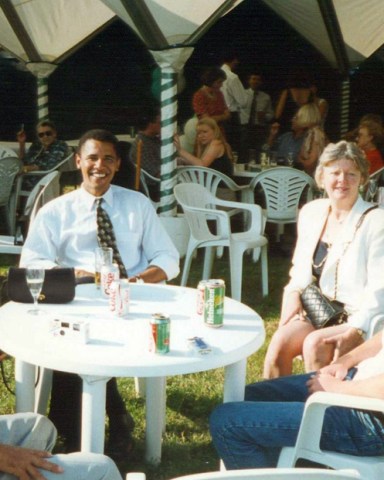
x,y
360,283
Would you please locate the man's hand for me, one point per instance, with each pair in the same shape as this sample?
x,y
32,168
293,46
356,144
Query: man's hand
x,y
336,370
24,463
83,273
344,342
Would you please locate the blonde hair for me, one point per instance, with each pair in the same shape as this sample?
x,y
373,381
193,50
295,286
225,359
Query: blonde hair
x,y
308,116
217,134
342,151
375,129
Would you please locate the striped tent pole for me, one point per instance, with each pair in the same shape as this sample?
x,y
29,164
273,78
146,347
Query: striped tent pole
x,y
42,98
344,107
168,129
42,70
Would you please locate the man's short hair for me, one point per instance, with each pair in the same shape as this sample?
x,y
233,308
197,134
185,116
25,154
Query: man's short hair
x,y
147,116
46,123
101,136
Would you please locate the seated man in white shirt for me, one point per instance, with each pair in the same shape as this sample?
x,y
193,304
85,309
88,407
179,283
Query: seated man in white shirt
x,y
64,234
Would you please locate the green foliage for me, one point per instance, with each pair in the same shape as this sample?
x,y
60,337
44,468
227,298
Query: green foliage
x,y
190,398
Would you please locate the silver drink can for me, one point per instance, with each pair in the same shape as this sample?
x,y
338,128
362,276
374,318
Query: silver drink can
x,y
109,274
200,297
114,297
124,298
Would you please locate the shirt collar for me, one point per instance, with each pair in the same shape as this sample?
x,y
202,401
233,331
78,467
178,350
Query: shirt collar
x,y
89,199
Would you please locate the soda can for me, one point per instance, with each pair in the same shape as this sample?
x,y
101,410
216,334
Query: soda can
x,y
214,294
200,297
160,333
124,298
114,297
109,274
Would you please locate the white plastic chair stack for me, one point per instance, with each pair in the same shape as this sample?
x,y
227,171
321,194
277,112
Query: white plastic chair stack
x,y
200,206
284,189
9,168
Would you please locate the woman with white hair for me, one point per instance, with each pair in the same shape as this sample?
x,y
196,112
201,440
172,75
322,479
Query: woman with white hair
x,y
339,250
304,142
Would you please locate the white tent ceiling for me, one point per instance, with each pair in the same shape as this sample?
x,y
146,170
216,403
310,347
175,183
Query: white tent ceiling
x,y
344,31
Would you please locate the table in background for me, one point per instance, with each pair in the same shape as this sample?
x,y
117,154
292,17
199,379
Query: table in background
x,y
119,348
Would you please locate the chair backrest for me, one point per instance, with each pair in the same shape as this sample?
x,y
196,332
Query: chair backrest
x,y
371,189
208,177
196,196
9,168
68,164
284,188
45,190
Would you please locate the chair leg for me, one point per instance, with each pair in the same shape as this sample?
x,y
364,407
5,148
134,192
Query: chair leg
x,y
264,270
187,266
280,231
208,262
236,266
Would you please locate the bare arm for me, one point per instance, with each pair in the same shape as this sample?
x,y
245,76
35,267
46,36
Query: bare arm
x,y
281,104
152,274
215,150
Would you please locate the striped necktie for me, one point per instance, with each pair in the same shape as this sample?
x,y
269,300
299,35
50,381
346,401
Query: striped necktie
x,y
106,236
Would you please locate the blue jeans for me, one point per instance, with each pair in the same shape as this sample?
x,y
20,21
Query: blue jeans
x,y
250,434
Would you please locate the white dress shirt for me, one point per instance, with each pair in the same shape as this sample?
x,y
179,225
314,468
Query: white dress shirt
x,y
263,104
233,90
64,233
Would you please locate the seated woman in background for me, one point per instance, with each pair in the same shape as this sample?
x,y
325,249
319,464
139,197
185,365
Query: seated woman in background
x,y
304,142
332,234
369,138
211,148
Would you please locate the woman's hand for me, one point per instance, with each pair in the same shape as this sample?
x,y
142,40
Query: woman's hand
x,y
21,136
344,342
292,309
176,142
337,370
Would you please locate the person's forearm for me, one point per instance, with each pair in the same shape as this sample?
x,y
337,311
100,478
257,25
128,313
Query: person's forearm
x,y
152,274
188,157
370,387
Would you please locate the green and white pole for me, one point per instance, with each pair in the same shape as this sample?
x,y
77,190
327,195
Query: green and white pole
x,y
42,70
171,62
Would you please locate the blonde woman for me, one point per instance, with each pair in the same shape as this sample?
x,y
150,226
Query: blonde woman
x,y
211,148
340,250
304,142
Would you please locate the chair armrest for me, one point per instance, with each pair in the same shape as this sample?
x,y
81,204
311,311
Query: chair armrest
x,y
312,422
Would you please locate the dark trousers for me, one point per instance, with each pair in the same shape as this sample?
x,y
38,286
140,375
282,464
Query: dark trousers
x,y
251,137
65,407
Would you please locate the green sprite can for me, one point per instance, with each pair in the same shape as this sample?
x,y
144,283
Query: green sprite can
x,y
214,303
160,333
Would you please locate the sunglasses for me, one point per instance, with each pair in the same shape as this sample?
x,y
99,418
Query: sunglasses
x,y
48,133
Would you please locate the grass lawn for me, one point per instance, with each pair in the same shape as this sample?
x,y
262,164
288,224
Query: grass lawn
x,y
190,398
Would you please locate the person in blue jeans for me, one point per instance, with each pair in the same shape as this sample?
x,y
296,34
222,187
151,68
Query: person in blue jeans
x,y
251,434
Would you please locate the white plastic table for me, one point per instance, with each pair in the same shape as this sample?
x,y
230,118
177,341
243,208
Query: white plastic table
x,y
120,348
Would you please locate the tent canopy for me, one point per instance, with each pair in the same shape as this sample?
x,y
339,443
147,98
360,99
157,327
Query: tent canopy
x,y
344,31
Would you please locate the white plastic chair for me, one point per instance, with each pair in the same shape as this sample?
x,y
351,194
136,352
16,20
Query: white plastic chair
x,y
44,191
284,188
66,165
371,189
308,440
265,474
144,177
199,206
9,169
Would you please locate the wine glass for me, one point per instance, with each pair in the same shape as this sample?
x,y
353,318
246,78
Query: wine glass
x,y
35,279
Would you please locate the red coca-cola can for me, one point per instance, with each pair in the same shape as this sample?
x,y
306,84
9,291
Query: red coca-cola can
x,y
109,274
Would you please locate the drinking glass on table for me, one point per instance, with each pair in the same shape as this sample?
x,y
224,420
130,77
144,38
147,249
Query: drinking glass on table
x,y
290,159
103,256
35,280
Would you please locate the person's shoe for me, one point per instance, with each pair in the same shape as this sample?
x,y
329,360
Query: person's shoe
x,y
120,444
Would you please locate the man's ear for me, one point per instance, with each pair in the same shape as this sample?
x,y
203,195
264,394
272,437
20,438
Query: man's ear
x,y
77,159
